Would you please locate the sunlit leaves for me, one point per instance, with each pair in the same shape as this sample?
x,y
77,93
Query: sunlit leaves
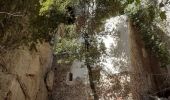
x,y
55,5
46,5
61,5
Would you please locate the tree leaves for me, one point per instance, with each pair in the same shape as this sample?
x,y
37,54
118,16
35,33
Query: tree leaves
x,y
45,6
163,15
138,1
151,33
130,1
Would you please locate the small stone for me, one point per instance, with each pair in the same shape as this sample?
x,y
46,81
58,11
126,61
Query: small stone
x,y
49,80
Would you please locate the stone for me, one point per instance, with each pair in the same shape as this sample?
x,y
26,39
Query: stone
x,y
162,99
10,88
23,73
42,93
50,80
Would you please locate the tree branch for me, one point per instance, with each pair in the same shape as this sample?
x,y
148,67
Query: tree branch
x,y
12,14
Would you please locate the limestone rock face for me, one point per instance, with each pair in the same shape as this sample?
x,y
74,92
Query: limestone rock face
x,y
10,88
22,73
42,93
49,80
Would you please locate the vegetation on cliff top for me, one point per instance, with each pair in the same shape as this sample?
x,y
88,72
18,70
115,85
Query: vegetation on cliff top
x,y
145,19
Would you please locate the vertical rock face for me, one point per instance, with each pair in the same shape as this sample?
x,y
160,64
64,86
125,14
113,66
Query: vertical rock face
x,y
22,73
147,76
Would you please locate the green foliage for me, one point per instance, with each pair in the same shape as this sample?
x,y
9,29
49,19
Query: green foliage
x,y
152,35
56,5
113,8
46,5
96,50
106,9
37,19
131,9
132,1
49,5
138,1
72,47
163,15
14,30
68,46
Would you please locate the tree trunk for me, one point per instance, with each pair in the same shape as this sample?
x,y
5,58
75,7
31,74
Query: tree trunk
x,y
91,80
92,85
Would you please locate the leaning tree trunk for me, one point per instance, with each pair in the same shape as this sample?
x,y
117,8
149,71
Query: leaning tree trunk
x,y
92,85
91,78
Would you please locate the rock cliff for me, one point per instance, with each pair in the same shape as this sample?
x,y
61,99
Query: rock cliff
x,y
23,73
148,79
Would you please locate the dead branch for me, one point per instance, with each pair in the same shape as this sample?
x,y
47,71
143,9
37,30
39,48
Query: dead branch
x,y
12,14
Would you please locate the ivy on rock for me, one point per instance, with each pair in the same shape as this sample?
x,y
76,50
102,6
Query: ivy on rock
x,y
152,35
